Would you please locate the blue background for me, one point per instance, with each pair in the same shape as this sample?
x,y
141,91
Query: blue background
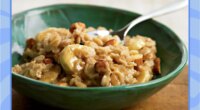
x,y
5,56
194,47
5,59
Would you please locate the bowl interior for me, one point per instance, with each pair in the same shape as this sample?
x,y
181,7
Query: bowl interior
x,y
29,23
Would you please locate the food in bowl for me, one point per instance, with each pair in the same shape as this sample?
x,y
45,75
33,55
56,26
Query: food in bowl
x,y
70,57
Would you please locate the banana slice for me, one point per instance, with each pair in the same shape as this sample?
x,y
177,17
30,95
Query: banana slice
x,y
144,76
69,56
51,76
135,44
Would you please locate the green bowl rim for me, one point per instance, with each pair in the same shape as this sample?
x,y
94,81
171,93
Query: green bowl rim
x,y
172,74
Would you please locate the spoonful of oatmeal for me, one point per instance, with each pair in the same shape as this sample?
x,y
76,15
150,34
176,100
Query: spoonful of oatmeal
x,y
123,31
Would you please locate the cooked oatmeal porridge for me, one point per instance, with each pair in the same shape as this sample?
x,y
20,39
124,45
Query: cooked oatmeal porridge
x,y
70,57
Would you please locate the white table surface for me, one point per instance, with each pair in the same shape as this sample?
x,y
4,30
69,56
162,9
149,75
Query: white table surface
x,y
177,21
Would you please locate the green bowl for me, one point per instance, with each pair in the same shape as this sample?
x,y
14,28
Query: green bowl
x,y
171,50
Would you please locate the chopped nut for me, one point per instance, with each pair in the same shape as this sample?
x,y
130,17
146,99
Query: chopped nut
x,y
49,55
101,66
30,43
77,25
149,56
47,61
139,61
77,38
120,60
111,42
156,68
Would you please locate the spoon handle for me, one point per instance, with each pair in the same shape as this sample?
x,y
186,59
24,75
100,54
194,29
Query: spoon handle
x,y
164,10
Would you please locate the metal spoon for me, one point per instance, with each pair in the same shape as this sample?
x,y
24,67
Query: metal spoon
x,y
123,31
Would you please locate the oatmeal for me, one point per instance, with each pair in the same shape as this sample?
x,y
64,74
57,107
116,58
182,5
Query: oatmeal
x,y
70,57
